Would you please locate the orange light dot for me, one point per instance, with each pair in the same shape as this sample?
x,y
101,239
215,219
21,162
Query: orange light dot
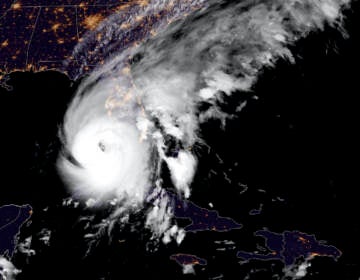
x,y
91,22
16,6
5,43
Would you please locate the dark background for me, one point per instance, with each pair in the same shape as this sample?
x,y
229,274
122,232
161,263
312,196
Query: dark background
x,y
297,140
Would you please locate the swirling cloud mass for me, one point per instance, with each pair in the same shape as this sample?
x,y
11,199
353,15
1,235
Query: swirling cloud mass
x,y
140,108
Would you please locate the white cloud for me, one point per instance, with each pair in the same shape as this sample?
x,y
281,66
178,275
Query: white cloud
x,y
7,270
25,247
297,271
159,218
174,233
182,170
188,269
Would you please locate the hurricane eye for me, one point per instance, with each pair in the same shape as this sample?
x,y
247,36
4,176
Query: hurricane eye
x,y
102,146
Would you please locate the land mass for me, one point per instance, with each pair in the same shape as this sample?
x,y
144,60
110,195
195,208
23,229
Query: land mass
x,y
289,246
12,217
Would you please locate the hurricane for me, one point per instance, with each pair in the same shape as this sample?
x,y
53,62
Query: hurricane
x,y
161,69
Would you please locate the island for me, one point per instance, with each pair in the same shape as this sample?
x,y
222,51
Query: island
x,y
187,262
290,246
202,219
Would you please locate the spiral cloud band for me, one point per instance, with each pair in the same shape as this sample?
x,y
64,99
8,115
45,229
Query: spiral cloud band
x,y
157,63
106,155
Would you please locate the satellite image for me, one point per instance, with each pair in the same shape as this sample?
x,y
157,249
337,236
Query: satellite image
x,y
179,139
